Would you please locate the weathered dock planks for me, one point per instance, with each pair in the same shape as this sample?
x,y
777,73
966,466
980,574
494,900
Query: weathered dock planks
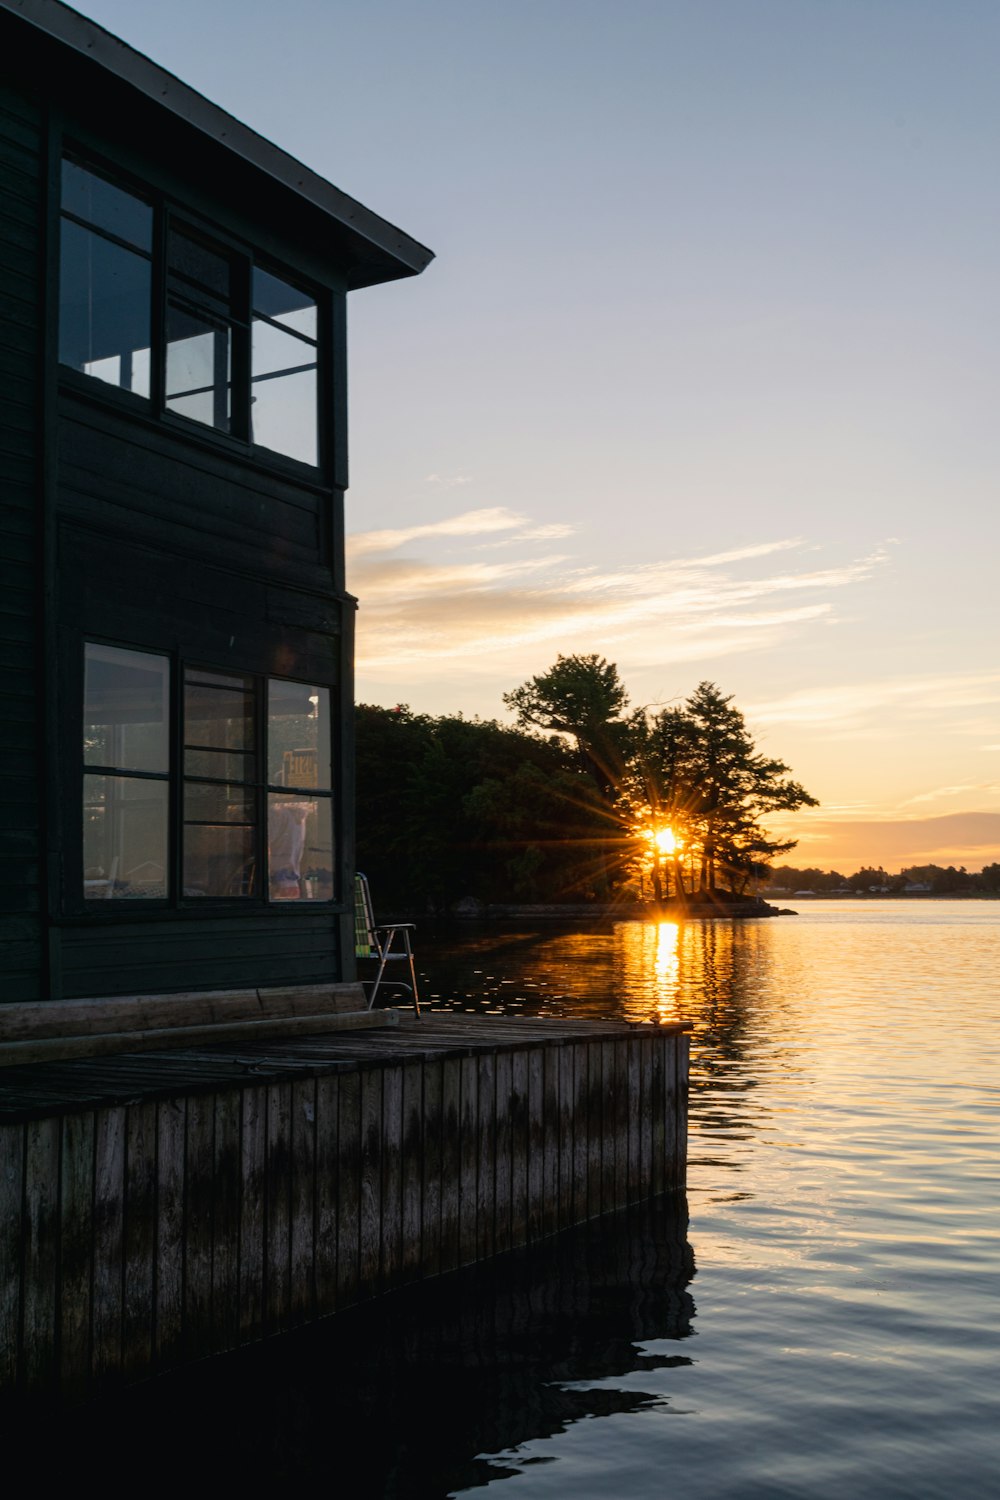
x,y
162,1207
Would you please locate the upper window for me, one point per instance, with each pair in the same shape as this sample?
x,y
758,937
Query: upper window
x,y
105,281
283,403
239,352
202,324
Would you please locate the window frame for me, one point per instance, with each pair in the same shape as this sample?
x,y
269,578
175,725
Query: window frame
x,y
170,215
260,790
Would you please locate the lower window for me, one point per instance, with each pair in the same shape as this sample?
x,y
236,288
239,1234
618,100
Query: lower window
x,y
240,767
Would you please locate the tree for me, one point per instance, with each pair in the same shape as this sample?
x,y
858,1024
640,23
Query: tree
x,y
581,696
659,794
702,772
679,780
451,807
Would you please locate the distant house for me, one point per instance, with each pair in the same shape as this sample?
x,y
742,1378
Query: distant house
x,y
176,639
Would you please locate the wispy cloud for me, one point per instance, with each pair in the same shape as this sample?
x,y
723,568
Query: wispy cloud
x,y
470,523
845,708
446,604
448,481
979,789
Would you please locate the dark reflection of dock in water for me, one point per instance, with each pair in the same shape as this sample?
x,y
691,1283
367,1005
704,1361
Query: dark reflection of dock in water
x,y
411,1390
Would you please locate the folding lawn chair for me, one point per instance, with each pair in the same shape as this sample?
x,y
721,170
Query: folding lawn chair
x,y
375,942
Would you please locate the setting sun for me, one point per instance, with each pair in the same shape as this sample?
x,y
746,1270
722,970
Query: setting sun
x,y
665,840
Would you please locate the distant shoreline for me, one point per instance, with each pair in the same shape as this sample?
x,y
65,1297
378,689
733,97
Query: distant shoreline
x,y
881,896
693,908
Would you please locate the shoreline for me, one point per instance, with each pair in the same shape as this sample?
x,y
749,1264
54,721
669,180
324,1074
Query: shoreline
x,y
471,910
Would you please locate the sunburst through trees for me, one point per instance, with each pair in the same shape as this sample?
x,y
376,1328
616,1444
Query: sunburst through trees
x,y
585,799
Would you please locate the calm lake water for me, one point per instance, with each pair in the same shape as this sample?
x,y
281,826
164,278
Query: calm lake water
x,y
843,1197
820,1319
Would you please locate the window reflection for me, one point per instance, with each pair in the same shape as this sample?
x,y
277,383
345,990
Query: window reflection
x,y
124,838
126,732
199,368
105,281
284,360
219,795
300,847
300,815
239,345
238,785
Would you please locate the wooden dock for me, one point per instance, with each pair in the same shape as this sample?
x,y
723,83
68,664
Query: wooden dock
x,y
159,1207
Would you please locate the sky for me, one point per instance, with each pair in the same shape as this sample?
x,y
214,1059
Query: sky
x,y
703,377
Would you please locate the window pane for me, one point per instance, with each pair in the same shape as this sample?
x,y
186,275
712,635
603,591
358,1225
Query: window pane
x,y
217,679
298,735
277,352
284,303
300,848
104,309
283,413
126,709
209,802
196,263
220,718
223,765
198,368
219,860
99,202
124,838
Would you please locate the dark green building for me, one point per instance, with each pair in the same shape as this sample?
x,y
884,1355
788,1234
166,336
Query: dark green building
x,y
176,638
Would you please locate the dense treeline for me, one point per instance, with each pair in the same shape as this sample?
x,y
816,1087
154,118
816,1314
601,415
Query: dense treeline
x,y
584,799
451,807
933,880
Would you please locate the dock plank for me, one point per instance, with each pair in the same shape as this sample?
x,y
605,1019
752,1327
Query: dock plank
x,y
485,1157
391,1245
451,1160
226,1221
503,1173
412,1147
302,1201
253,1190
40,1254
349,1189
327,1201
140,1238
168,1322
76,1244
468,1162
199,1185
430,1213
370,1183
519,1147
277,1233
535,1123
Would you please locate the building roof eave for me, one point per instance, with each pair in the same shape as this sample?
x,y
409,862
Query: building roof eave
x,y
378,250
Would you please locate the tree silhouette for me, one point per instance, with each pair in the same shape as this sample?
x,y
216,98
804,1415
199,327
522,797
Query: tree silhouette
x,y
571,803
584,697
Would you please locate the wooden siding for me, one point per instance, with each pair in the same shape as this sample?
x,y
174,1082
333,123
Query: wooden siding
x,y
188,951
157,1209
127,475
20,772
210,614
